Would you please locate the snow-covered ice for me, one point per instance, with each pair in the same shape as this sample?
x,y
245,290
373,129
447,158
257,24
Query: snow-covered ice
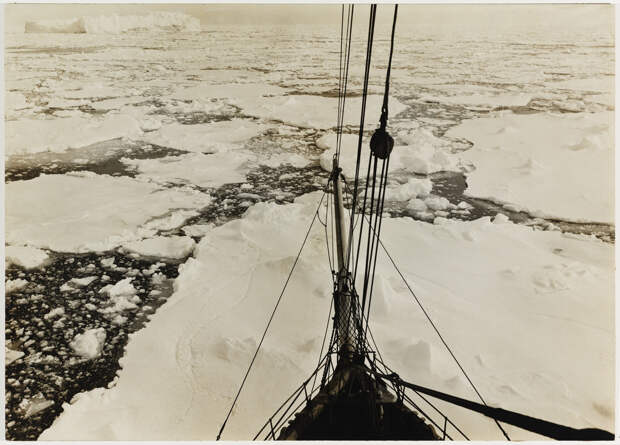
x,y
14,285
551,165
89,344
36,135
24,256
114,24
196,366
177,247
151,118
315,111
211,170
423,153
11,355
122,296
205,138
118,208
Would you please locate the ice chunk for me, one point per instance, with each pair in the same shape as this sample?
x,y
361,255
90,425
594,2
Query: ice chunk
x,y
121,288
35,405
424,153
13,285
413,188
177,247
500,218
58,312
24,256
122,296
89,344
197,230
437,203
416,205
11,355
81,282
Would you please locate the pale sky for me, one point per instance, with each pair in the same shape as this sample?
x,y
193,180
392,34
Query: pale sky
x,y
439,14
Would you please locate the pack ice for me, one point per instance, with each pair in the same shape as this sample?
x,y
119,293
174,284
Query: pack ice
x,y
539,310
115,24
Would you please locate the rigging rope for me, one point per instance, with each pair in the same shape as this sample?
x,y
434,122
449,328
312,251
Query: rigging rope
x,y
271,317
344,73
381,145
371,30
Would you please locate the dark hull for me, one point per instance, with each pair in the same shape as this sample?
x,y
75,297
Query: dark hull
x,y
354,406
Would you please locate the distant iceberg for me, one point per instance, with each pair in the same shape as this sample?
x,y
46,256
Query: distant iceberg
x,y
115,24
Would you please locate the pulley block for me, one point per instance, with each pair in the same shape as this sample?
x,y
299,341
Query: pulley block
x,y
381,143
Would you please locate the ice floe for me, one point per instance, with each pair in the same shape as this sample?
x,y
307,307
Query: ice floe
x,y
468,274
308,111
177,247
24,256
421,152
58,134
87,212
551,165
206,138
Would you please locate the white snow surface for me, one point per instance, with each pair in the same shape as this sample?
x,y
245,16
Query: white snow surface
x,y
414,188
308,111
102,212
24,256
558,166
89,344
205,138
13,285
177,247
211,170
122,296
423,153
11,355
530,321
115,24
25,136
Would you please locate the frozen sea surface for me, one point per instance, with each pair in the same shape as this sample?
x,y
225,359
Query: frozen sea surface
x,y
143,156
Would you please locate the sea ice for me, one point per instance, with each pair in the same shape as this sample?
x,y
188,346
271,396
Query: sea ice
x,y
13,285
225,293
424,154
114,24
25,136
557,166
89,344
177,247
24,256
199,169
318,112
11,355
103,211
206,138
414,188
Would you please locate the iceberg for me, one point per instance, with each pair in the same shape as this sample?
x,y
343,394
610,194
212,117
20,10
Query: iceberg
x,y
116,24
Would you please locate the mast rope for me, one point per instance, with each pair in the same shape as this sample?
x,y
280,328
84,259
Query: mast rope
x,y
381,145
219,435
344,73
371,30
